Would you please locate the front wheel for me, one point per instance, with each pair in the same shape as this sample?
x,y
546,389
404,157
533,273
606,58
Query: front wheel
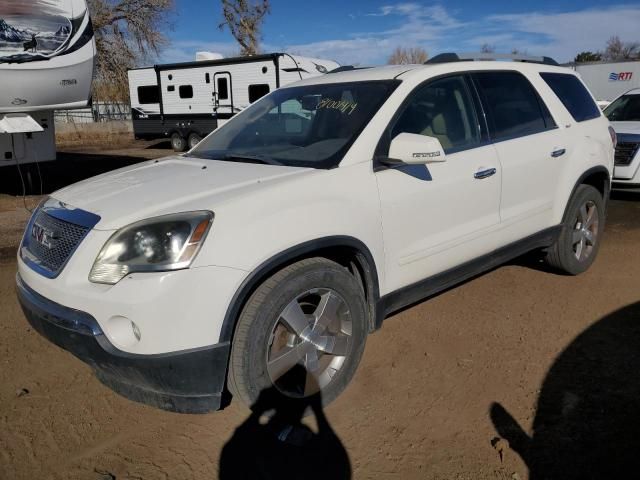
x,y
579,241
301,333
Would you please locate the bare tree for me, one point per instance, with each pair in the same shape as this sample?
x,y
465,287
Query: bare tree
x,y
127,32
618,50
404,56
487,48
244,19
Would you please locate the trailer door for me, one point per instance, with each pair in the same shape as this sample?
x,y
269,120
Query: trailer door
x,y
222,96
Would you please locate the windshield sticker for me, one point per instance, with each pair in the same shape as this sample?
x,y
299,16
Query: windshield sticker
x,y
344,106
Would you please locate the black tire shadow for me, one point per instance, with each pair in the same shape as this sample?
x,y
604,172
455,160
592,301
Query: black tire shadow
x,y
283,448
587,423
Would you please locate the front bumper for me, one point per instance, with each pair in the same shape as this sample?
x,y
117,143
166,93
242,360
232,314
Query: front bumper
x,y
188,381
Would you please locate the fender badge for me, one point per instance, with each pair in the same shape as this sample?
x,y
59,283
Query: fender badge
x,y
18,101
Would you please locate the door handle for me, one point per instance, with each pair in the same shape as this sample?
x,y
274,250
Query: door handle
x,y
558,153
486,173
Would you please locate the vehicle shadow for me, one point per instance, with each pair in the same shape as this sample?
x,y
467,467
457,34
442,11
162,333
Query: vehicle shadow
x,y
273,443
47,177
587,422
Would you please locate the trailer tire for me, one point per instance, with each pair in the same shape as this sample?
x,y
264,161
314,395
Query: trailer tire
x,y
194,139
178,142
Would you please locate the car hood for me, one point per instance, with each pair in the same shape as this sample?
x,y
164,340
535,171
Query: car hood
x,y
169,185
622,128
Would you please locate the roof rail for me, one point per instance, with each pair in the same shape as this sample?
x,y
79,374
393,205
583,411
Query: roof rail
x,y
346,68
462,57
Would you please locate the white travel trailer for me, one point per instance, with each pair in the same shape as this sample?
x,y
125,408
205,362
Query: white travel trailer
x,y
47,52
187,101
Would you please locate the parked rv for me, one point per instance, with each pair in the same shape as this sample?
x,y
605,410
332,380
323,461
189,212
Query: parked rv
x,y
187,101
46,63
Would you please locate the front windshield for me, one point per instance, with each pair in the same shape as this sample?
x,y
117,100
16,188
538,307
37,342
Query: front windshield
x,y
308,126
624,109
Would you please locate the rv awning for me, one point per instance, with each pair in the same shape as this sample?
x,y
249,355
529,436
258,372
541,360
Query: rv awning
x,y
18,123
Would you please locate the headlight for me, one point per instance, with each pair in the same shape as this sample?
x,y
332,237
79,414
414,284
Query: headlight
x,y
170,242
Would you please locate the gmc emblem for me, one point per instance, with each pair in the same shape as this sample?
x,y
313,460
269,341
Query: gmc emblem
x,y
43,236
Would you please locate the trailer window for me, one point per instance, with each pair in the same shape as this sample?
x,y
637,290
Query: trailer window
x,y
185,91
148,94
171,88
573,95
257,91
223,89
207,78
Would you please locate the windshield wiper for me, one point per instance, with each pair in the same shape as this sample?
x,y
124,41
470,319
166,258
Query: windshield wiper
x,y
251,158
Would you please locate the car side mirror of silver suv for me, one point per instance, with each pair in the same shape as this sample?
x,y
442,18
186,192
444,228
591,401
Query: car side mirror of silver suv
x,y
414,149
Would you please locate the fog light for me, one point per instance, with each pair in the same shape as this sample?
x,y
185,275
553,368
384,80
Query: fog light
x,y
122,331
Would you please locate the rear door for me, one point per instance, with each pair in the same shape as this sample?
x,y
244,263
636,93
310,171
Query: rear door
x,y
438,216
531,150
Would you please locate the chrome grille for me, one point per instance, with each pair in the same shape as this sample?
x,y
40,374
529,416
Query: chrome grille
x,y
64,238
625,153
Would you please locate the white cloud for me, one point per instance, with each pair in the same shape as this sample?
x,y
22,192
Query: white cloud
x,y
560,35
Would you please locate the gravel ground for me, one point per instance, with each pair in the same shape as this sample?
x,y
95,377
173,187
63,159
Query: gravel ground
x,y
519,373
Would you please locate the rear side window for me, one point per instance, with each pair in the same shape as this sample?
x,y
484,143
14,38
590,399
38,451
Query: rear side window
x,y
185,91
514,108
148,94
573,95
257,91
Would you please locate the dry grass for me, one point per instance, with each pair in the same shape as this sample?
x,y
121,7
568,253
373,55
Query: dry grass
x,y
111,134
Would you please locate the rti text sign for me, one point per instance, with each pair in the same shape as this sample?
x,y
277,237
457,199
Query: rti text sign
x,y
620,77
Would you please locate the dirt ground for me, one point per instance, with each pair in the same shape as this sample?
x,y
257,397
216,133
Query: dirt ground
x,y
439,394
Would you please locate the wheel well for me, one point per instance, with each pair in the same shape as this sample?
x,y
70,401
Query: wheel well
x,y
357,260
598,179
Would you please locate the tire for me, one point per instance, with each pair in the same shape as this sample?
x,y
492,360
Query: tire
x,y
579,241
262,334
178,143
194,139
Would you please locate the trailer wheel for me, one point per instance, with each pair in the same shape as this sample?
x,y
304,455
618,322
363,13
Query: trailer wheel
x,y
178,143
194,139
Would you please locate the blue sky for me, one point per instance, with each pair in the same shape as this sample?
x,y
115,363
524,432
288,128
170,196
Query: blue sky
x,y
366,32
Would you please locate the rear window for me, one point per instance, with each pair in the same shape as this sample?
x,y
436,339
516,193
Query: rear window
x,y
514,108
148,94
573,95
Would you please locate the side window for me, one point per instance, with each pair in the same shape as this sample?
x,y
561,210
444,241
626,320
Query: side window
x,y
222,87
257,91
185,91
514,108
442,109
148,94
207,77
573,95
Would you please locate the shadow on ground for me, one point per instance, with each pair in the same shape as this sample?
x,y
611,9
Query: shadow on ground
x,y
283,447
67,169
587,423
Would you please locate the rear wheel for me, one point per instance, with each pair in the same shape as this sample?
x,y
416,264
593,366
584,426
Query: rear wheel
x,y
178,143
579,241
194,139
301,333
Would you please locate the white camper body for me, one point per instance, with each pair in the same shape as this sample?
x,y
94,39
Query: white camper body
x,y
187,101
608,80
47,51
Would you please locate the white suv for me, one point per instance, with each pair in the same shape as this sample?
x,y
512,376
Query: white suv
x,y
624,114
266,255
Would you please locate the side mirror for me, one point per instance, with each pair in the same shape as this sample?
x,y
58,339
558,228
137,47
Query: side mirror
x,y
413,149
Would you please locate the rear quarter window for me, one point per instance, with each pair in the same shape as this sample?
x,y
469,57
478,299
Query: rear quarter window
x,y
573,95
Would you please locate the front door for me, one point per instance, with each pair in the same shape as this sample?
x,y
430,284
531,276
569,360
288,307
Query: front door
x,y
439,215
